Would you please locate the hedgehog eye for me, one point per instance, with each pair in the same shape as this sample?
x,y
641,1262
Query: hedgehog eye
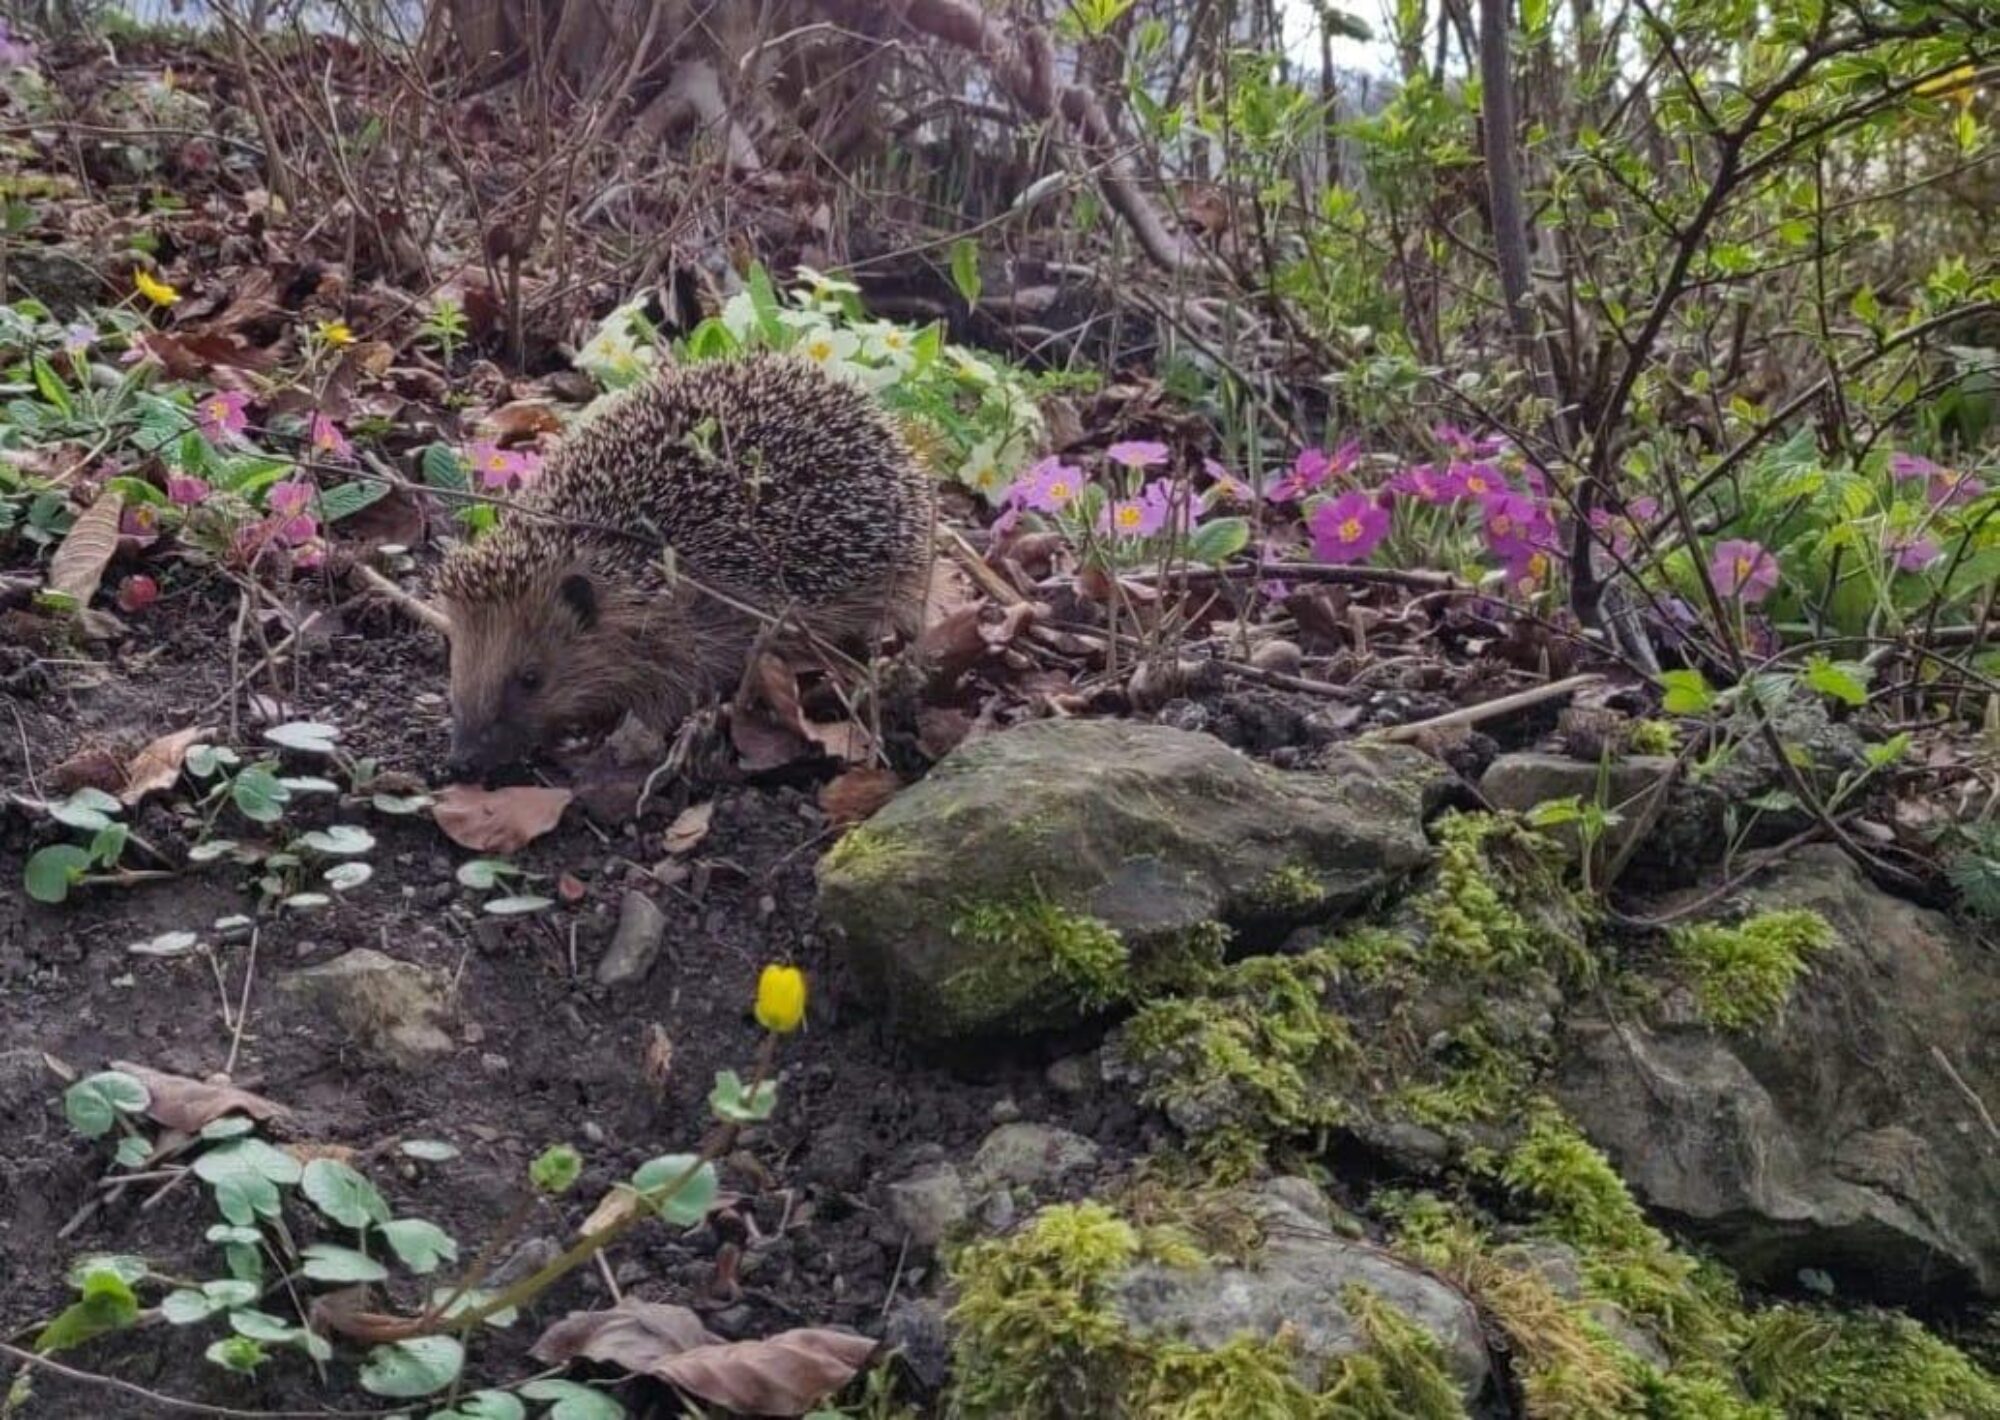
x,y
529,680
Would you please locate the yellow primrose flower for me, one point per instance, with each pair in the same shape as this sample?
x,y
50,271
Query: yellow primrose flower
x,y
335,332
154,289
781,999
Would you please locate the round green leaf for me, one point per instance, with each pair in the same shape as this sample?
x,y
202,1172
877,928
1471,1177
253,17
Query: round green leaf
x,y
305,736
230,1126
402,804
261,1326
185,1308
53,870
406,1369
340,840
343,876
258,795
343,1194
480,874
228,1233
87,809
167,944
94,1103
516,906
306,901
431,1151
236,1353
421,1245
133,1151
327,1262
309,784
574,1401
689,1203
209,851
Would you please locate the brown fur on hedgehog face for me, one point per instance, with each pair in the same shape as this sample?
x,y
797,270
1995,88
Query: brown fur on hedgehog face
x,y
572,650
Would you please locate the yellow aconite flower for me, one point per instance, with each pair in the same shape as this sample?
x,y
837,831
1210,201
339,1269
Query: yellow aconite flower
x,y
154,289
781,999
335,332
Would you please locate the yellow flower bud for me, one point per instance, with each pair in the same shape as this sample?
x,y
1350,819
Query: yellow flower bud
x,y
336,333
154,289
781,999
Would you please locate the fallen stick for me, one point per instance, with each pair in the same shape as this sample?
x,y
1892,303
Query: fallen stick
x,y
419,611
1488,709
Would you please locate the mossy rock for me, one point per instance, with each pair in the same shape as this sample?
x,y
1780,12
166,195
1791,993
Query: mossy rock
x,y
1036,876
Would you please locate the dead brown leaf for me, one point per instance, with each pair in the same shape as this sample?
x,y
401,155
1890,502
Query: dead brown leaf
x,y
689,828
940,729
158,765
498,820
612,1209
858,793
521,420
78,564
844,740
760,745
92,767
786,1374
191,1105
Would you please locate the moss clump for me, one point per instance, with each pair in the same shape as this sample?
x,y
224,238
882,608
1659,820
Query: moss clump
x,y
1293,891
1653,737
1742,974
1034,939
1583,1201
1863,1366
1255,1054
1498,901
1038,1339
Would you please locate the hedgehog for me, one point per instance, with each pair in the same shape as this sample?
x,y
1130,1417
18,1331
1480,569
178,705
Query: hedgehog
x,y
680,522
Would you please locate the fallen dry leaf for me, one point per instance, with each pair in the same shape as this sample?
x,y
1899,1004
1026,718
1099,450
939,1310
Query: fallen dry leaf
x,y
523,419
191,1105
78,564
689,828
498,820
658,1065
761,745
855,795
571,889
940,730
612,1209
91,767
158,765
786,1374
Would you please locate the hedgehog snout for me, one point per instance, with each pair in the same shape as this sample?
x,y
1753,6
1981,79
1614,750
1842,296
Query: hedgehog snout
x,y
478,752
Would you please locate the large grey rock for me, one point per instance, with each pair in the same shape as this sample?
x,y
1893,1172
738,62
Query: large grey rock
x,y
1296,1286
392,1008
1835,1139
1154,833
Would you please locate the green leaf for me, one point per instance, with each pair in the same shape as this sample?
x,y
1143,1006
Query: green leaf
x,y
340,840
107,1304
574,1401
402,804
204,760
230,1126
343,877
406,1369
258,795
732,1105
1216,542
327,1262
93,1104
305,736
51,386
689,1203
483,873
516,906
133,1151
431,1151
90,810
185,1308
1845,681
129,1266
421,1245
484,1405
236,1353
965,269
1687,692
343,1194
247,1158
1881,756
52,871
348,499
443,468
556,1170
108,842
262,1326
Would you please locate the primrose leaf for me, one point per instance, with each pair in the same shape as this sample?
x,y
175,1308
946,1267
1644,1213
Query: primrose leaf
x,y
93,1104
328,1262
687,1204
404,1370
343,1194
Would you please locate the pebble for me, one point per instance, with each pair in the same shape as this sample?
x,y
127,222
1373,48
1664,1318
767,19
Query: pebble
x,y
635,946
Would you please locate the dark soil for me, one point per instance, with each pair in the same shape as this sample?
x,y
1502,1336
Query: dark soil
x,y
543,1054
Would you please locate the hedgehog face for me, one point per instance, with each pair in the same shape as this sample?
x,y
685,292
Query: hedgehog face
x,y
523,669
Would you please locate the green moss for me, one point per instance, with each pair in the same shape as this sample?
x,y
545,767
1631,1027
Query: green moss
x,y
1257,1053
1374,955
1864,1366
1483,1083
1653,737
1582,1200
869,854
1034,939
1038,1338
1188,963
1498,901
1742,974
1293,890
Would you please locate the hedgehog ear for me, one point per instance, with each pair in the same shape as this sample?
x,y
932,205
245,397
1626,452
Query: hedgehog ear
x,y
580,596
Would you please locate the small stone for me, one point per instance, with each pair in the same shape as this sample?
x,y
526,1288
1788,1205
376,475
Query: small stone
x,y
635,946
929,1203
493,1064
593,1132
1073,1075
918,1333
1031,1155
1285,657
473,1033
391,1007
1005,1111
997,1213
